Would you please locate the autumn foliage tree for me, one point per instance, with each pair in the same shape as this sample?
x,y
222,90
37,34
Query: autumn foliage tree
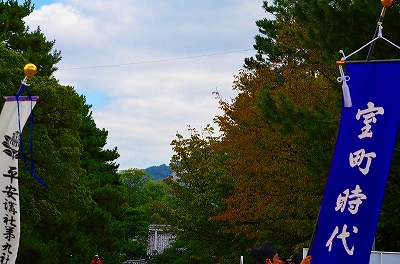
x,y
278,134
266,173
327,27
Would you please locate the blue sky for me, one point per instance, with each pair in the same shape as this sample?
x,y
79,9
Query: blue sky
x,y
149,68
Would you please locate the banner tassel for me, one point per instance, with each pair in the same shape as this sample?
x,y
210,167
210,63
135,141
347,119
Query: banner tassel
x,y
345,88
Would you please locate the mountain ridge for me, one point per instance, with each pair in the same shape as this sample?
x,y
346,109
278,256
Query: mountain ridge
x,y
159,172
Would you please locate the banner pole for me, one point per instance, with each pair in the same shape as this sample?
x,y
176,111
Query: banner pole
x,y
385,3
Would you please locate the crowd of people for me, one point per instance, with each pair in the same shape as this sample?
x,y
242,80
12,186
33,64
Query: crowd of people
x,y
264,254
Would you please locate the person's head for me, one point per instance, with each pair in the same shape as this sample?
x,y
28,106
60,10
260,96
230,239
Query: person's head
x,y
297,258
265,254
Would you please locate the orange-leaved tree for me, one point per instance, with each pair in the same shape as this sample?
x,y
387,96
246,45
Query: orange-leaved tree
x,y
279,134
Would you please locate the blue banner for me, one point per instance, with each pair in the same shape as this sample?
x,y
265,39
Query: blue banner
x,y
360,165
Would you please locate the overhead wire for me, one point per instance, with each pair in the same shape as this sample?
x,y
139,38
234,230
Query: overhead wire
x,y
153,61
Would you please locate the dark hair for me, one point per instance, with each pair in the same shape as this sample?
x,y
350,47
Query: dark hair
x,y
263,252
297,258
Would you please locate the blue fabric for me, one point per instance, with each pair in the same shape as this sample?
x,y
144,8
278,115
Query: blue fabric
x,y
360,165
31,98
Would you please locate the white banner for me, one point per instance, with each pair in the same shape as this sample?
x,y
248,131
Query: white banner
x,y
12,119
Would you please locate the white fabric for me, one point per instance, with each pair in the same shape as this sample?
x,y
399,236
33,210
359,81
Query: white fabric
x,y
9,191
345,88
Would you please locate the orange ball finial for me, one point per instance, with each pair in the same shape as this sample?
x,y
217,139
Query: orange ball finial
x,y
387,3
30,69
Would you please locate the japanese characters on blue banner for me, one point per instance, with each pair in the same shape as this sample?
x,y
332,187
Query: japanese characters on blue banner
x,y
360,165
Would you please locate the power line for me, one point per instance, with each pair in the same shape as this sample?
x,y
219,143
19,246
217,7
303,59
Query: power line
x,y
154,61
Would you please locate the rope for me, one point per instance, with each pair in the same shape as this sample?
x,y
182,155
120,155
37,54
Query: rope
x,y
379,36
31,170
344,78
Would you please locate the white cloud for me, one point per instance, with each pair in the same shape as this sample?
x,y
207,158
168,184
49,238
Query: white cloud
x,y
147,66
65,24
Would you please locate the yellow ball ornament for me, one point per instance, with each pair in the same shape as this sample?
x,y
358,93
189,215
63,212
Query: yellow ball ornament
x,y
30,69
387,3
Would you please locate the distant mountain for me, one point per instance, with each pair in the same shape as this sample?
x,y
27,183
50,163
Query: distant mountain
x,y
159,172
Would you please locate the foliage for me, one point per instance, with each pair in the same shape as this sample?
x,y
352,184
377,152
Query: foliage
x,y
327,27
348,25
85,210
16,36
197,191
45,214
139,184
278,136
56,211
261,179
141,188
137,225
105,189
69,156
273,164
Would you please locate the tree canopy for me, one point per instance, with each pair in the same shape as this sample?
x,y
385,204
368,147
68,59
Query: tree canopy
x,y
33,45
261,177
278,133
86,210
